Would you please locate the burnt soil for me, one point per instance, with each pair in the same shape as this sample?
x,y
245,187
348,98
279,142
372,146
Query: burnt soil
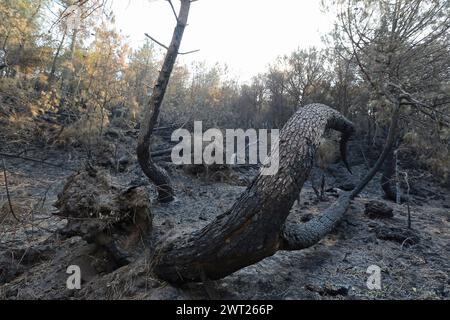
x,y
34,257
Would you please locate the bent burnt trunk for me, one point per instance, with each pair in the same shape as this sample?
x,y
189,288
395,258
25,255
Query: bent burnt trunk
x,y
155,173
253,228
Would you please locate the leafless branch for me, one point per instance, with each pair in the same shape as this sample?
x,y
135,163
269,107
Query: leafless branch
x,y
173,9
153,39
188,52
166,47
7,192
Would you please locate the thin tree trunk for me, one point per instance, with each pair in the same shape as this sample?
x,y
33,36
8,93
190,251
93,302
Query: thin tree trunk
x,y
390,170
55,59
155,173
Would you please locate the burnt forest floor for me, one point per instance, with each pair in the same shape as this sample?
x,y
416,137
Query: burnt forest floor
x,y
34,258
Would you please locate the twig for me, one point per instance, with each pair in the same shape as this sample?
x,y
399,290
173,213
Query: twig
x,y
165,128
160,153
407,202
189,52
173,10
7,192
166,47
398,199
151,38
33,160
64,14
366,162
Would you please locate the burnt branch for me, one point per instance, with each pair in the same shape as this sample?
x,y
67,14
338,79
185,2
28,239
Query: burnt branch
x,y
166,47
173,9
253,228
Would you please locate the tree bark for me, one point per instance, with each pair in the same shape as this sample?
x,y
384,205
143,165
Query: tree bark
x,y
155,173
253,228
301,236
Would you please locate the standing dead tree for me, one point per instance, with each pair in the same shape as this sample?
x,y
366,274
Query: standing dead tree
x,y
155,173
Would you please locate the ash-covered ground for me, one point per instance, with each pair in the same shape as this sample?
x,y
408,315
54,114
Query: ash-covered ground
x,y
415,263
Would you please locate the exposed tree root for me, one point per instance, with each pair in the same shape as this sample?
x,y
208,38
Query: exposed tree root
x,y
102,212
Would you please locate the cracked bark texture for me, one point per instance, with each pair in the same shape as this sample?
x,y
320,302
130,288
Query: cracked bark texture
x,y
253,228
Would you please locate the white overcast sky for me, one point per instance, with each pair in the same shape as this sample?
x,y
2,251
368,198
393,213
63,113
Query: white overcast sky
x,y
247,35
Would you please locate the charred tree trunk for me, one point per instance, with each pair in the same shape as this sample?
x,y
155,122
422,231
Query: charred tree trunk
x,y
300,236
252,229
155,173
